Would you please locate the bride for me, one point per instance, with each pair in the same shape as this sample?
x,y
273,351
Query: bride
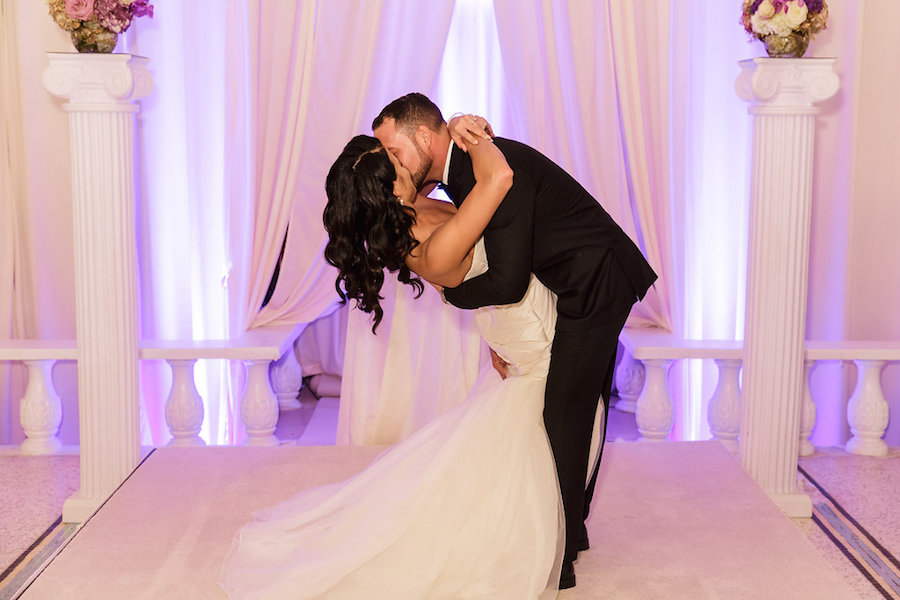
x,y
468,506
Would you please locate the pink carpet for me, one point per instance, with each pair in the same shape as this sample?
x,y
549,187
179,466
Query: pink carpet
x,y
670,520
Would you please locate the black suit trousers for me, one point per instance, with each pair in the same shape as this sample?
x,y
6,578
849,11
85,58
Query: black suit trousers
x,y
582,363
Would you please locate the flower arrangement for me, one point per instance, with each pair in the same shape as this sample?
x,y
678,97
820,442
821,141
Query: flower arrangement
x,y
96,24
785,26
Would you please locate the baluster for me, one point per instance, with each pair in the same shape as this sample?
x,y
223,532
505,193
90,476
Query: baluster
x,y
40,411
655,412
184,407
724,410
286,376
629,382
807,411
259,407
867,411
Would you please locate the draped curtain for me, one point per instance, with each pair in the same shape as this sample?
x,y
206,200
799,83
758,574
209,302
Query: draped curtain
x,y
254,99
576,93
11,188
35,261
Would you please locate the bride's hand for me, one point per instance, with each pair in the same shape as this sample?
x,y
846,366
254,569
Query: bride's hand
x,y
469,129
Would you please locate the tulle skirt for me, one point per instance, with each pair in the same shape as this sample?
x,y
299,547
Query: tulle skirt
x,y
467,507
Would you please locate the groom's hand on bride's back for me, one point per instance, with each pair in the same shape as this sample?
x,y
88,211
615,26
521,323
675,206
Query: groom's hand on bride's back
x,y
500,365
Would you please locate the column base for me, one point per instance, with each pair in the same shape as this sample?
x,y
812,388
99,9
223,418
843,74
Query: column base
x,y
77,508
793,505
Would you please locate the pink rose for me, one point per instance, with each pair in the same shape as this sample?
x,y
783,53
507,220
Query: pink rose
x,y
80,9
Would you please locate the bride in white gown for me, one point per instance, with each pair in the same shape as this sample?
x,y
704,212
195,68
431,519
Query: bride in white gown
x,y
468,506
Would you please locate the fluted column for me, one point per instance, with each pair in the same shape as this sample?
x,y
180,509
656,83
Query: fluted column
x,y
783,93
100,92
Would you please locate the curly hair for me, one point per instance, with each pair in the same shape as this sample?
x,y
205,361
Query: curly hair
x,y
368,229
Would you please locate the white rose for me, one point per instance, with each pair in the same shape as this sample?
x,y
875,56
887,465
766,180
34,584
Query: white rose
x,y
766,9
777,25
796,14
763,26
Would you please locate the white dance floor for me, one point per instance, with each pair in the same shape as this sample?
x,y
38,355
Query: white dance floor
x,y
670,520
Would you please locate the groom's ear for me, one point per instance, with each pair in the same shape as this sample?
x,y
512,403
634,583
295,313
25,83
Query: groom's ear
x,y
424,136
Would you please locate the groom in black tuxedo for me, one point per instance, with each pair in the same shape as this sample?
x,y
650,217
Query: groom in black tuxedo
x,y
548,225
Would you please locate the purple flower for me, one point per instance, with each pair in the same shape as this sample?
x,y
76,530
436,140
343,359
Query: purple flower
x,y
142,8
112,16
815,6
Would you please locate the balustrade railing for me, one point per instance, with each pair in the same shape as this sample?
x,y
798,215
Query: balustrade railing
x,y
273,380
642,383
274,377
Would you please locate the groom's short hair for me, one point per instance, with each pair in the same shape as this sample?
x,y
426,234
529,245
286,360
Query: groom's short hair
x,y
410,111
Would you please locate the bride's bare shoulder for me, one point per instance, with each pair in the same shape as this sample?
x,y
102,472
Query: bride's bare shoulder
x,y
430,214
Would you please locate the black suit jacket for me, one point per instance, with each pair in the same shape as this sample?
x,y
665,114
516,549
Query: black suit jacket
x,y
549,225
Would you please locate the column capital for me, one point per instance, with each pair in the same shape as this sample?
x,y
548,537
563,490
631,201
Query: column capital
x,y
97,82
787,85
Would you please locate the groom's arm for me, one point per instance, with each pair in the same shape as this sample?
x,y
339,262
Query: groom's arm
x,y
508,243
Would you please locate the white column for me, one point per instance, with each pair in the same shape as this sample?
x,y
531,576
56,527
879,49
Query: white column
x,y
101,90
783,93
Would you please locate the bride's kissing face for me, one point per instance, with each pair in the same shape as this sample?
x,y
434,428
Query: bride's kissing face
x,y
404,188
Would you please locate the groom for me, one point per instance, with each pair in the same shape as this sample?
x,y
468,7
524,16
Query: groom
x,y
549,225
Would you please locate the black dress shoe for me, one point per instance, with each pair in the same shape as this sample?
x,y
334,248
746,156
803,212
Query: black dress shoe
x,y
567,576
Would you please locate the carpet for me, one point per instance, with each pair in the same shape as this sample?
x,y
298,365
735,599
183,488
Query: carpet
x,y
670,520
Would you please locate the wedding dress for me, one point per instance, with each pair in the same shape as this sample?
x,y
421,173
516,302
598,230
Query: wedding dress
x,y
467,507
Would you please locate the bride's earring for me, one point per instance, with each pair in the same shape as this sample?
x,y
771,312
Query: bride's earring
x,y
400,200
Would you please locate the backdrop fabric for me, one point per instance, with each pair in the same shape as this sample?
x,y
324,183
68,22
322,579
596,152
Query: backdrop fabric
x,y
253,100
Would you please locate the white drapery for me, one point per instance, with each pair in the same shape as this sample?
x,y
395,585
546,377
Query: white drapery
x,y
182,132
565,63
11,188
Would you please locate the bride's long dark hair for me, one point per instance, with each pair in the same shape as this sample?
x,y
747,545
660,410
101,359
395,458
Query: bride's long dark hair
x,y
368,229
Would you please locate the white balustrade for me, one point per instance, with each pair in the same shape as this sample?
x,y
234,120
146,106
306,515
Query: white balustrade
x,y
184,407
40,411
724,409
630,375
655,413
259,406
807,411
286,377
258,349
867,408
867,411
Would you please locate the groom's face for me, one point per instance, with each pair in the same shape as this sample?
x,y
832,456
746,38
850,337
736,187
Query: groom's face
x,y
406,148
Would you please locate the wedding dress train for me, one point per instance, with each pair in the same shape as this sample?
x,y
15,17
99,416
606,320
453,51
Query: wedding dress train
x,y
466,507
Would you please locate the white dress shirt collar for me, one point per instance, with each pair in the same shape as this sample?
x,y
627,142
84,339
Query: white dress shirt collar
x,y
447,164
